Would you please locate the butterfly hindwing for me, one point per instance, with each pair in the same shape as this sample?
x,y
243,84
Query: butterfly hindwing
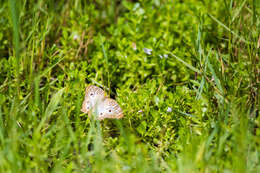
x,y
109,108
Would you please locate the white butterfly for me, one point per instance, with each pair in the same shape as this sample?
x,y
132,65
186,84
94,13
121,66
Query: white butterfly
x,y
97,103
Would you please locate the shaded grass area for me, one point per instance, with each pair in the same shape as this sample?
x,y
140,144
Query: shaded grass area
x,y
186,75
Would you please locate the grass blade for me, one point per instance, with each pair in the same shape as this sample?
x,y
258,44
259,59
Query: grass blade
x,y
238,11
52,106
216,79
185,63
228,29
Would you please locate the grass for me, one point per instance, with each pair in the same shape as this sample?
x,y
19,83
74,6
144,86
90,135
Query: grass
x,y
191,104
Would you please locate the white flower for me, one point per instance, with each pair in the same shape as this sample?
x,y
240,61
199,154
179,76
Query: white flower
x,y
75,37
140,111
148,51
204,110
163,56
169,109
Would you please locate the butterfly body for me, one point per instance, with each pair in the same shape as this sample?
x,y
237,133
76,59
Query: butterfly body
x,y
96,103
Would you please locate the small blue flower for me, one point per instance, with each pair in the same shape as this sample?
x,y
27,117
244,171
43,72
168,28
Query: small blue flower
x,y
140,111
169,109
75,36
148,51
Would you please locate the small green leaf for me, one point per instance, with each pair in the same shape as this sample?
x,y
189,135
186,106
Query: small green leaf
x,y
142,128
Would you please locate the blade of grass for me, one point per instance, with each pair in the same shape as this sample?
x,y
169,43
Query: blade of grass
x,y
49,68
185,63
239,10
224,26
186,114
209,141
200,88
1,127
105,55
14,13
202,83
52,106
254,11
227,7
216,79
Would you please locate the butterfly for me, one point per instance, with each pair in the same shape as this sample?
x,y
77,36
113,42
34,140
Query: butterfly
x,y
97,103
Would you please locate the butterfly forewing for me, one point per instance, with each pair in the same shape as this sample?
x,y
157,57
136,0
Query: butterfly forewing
x,y
93,95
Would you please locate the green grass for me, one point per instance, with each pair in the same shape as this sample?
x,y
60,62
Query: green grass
x,y
192,105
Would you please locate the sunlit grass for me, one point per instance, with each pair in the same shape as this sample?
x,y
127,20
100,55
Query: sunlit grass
x,y
188,88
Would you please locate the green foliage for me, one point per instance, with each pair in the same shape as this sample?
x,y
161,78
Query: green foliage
x,y
186,75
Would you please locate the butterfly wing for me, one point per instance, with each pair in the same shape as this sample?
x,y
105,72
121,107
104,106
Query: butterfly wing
x,y
109,108
93,95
